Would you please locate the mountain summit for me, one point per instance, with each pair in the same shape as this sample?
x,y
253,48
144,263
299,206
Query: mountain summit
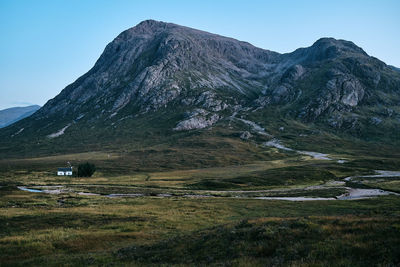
x,y
163,79
154,63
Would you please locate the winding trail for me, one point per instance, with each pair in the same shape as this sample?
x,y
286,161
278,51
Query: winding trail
x,y
256,128
278,144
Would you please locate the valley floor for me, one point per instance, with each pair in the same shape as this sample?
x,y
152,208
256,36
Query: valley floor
x,y
233,215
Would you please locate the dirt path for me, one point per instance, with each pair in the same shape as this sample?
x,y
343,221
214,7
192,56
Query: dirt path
x,y
278,144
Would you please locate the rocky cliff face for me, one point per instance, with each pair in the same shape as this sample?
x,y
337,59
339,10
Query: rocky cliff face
x,y
202,78
155,63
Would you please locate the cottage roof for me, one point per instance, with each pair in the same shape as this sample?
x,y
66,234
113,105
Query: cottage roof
x,y
68,169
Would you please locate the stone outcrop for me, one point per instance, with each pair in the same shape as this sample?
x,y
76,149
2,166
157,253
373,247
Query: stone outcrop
x,y
198,119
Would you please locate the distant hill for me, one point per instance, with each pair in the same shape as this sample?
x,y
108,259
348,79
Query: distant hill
x,y
395,68
10,115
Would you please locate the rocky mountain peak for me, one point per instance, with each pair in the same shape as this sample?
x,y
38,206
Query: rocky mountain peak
x,y
203,78
327,49
340,46
150,24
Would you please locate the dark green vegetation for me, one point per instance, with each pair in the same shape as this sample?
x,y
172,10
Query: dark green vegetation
x,y
68,229
86,169
312,240
269,178
73,229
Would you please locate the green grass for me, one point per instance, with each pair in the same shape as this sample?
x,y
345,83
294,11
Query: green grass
x,y
393,186
386,183
319,241
69,229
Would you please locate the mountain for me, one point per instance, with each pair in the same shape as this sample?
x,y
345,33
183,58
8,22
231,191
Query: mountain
x,y
160,83
10,115
395,68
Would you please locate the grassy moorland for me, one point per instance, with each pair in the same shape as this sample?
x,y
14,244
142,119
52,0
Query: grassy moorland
x,y
169,222
90,230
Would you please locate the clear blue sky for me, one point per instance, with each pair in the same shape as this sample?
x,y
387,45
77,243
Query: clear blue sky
x,y
46,45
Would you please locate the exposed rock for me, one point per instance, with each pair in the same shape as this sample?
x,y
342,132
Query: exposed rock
x,y
376,120
17,133
293,74
59,133
389,112
336,120
245,135
197,119
281,93
353,92
341,93
208,100
255,127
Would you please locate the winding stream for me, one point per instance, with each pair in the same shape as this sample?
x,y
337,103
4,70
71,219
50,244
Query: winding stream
x,y
351,194
380,174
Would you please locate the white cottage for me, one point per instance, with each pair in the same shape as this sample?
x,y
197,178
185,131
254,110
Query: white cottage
x,y
64,171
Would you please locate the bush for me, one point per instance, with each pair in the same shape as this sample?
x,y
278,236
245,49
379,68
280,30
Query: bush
x,y
86,169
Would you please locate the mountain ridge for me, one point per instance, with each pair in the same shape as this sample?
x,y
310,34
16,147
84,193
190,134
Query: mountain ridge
x,y
197,80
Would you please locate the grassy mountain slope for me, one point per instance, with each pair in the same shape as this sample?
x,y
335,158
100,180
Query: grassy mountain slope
x,y
160,86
